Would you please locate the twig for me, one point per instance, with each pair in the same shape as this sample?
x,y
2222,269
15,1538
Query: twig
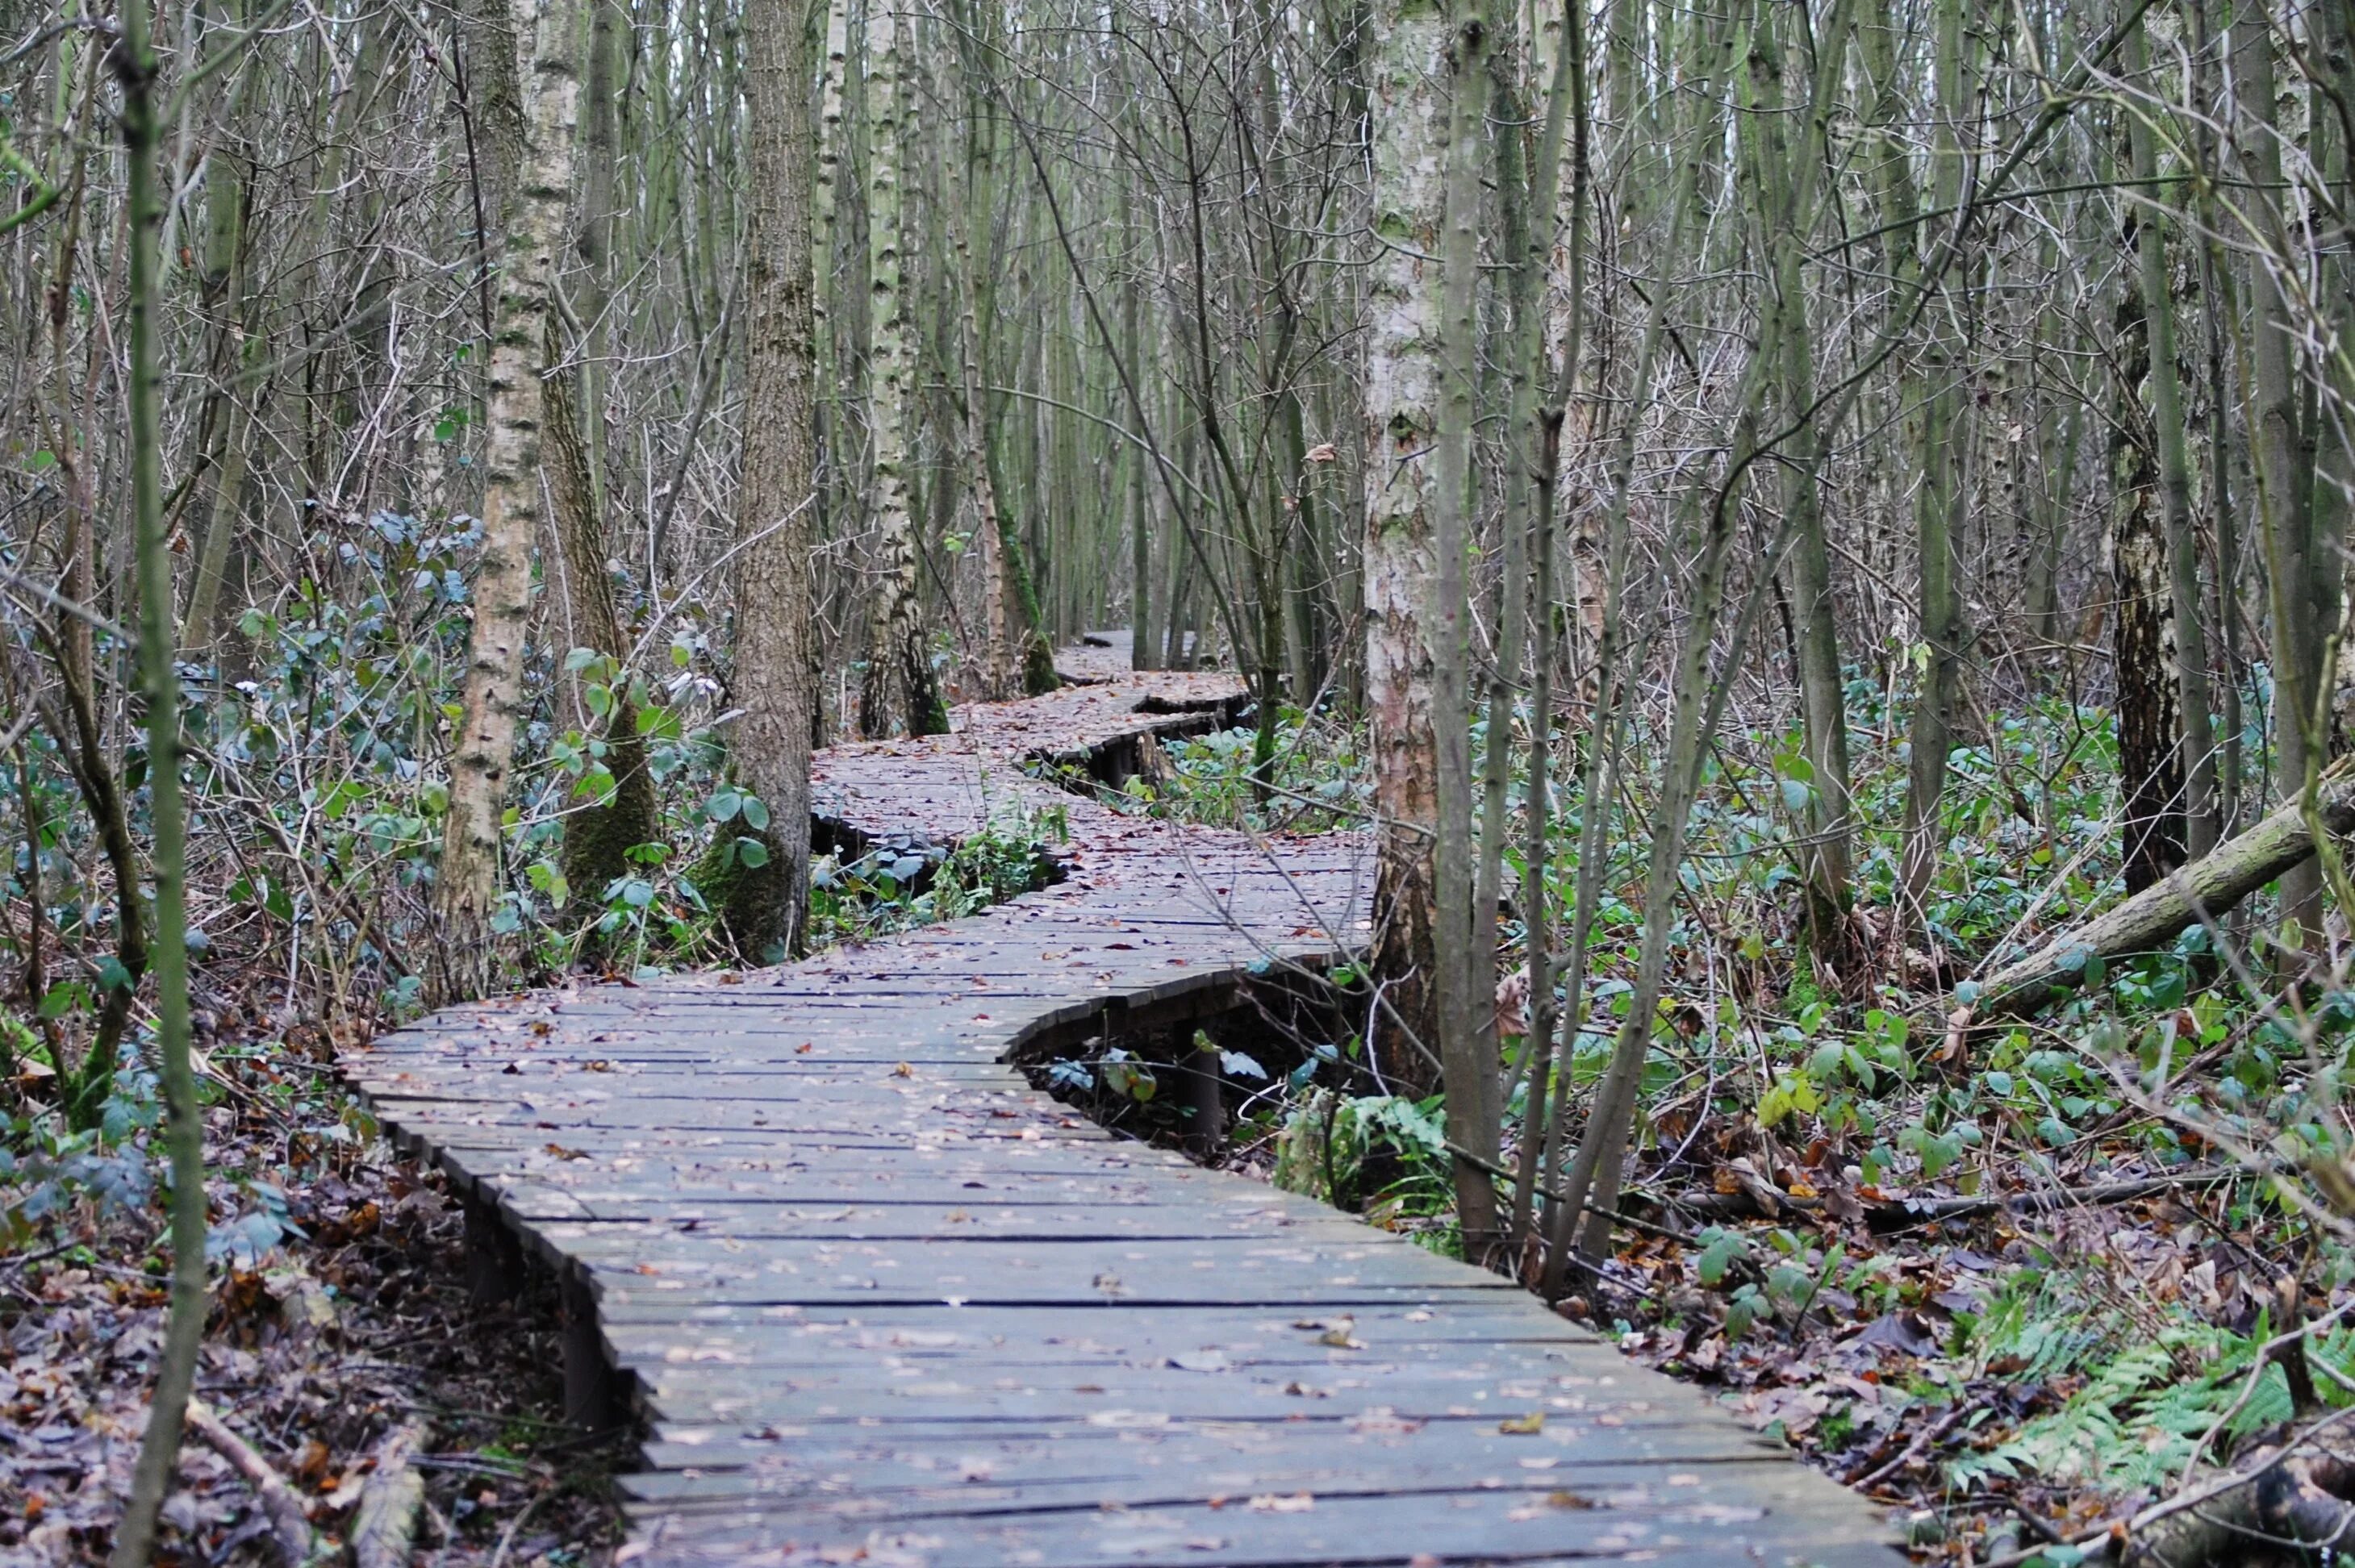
x,y
506,1539
290,1521
1905,1213
1924,1441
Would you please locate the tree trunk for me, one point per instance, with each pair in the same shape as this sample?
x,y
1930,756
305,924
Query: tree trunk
x,y
227,200
2284,468
1784,179
1402,394
774,682
2207,888
1467,1059
899,680
1927,384
135,68
1541,392
1609,681
2195,765
1708,539
1144,648
599,832
531,136
2150,777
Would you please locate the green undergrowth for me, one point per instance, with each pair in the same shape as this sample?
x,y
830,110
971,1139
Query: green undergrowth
x,y
899,881
317,815
2061,1361
1316,784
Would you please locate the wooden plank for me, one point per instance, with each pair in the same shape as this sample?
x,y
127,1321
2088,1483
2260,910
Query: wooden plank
x,y
1478,1525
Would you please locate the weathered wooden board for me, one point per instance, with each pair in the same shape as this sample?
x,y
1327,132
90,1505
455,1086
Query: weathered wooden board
x,y
879,1302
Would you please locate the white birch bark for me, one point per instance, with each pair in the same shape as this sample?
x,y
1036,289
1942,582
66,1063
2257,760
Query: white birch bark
x,y
827,191
900,682
1402,394
536,145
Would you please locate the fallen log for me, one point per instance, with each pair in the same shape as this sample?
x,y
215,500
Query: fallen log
x,y
384,1530
2288,1507
2287,1503
2150,919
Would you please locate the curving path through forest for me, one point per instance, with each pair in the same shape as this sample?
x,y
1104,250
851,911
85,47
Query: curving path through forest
x,y
875,1301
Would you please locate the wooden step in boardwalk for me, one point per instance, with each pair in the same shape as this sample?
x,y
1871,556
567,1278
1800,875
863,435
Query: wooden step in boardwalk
x,y
877,1301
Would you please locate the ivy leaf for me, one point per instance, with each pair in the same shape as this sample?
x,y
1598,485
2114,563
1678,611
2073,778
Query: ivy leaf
x,y
1717,1258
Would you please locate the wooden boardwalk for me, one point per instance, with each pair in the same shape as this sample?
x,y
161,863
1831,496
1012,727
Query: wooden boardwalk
x,y
877,1301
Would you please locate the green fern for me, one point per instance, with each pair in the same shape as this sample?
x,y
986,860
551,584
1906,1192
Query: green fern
x,y
2135,1422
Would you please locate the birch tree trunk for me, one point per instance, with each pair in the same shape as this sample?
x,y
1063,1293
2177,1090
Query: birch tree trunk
x,y
827,311
526,122
1403,395
900,682
775,683
999,678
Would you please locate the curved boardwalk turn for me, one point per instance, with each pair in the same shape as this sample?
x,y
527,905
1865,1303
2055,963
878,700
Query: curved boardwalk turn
x,y
877,1301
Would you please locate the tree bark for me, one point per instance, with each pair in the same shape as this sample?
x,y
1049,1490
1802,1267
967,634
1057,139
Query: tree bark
x,y
2151,776
1784,179
599,832
2283,464
228,199
2156,915
1541,393
900,682
774,679
1402,394
1467,1060
136,68
2195,766
1926,385
1610,681
529,50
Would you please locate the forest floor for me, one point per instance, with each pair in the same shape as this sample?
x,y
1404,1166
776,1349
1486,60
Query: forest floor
x,y
341,1346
